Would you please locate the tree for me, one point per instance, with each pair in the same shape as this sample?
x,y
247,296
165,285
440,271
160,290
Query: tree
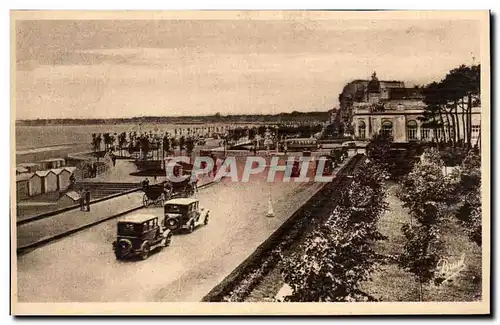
x,y
144,146
174,143
189,145
108,140
425,192
433,113
93,142
460,89
379,150
468,196
166,144
421,253
96,142
122,140
340,255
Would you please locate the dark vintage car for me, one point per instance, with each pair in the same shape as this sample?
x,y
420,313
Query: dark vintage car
x,y
184,214
139,235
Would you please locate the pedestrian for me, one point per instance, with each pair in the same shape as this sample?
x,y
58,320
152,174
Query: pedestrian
x,y
113,159
214,169
72,181
145,183
194,183
87,199
167,189
82,200
93,168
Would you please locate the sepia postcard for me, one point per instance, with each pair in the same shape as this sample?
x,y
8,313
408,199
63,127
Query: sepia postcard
x,y
250,162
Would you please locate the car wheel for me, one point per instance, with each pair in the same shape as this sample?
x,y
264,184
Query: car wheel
x,y
145,251
168,240
191,227
206,219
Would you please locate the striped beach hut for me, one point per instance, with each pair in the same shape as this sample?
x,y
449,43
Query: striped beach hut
x,y
23,186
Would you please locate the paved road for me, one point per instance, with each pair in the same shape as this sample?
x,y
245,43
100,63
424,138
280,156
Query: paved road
x,y
82,267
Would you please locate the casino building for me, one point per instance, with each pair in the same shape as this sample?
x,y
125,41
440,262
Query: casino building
x,y
391,108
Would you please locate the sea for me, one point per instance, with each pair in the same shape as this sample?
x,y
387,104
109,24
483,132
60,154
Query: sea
x,y
35,143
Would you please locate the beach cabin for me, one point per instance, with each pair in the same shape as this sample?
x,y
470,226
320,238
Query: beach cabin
x,y
69,199
21,170
35,184
58,172
22,186
31,167
48,181
51,182
52,163
63,177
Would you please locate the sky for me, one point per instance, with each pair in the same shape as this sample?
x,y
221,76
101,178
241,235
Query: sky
x,y
126,68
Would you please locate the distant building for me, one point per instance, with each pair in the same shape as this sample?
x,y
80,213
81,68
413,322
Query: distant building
x,y
52,163
389,107
21,170
31,167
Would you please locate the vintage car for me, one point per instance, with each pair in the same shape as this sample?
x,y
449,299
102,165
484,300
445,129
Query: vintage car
x,y
184,214
138,235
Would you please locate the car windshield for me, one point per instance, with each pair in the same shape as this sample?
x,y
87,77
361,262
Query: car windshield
x,y
175,208
129,229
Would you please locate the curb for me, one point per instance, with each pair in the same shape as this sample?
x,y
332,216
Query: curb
x,y
44,241
72,207
47,240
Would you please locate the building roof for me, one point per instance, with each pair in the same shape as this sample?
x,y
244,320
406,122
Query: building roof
x,y
57,171
374,84
21,169
24,177
73,195
138,218
182,201
43,173
52,159
29,165
70,169
405,93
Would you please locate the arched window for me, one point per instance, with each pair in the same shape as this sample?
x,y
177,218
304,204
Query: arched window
x,y
387,128
362,130
411,130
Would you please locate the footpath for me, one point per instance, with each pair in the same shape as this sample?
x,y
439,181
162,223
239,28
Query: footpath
x,y
40,232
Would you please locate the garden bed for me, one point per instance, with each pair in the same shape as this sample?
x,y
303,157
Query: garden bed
x,y
246,277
